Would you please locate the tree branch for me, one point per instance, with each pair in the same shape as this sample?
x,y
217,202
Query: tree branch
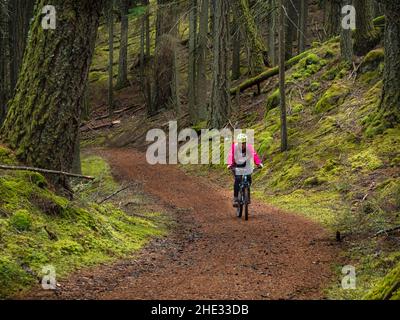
x,y
61,173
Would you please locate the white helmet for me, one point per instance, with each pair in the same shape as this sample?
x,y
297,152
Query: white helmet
x,y
241,138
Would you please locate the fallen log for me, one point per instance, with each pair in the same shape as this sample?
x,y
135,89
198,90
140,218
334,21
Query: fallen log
x,y
267,74
386,231
116,112
100,126
61,173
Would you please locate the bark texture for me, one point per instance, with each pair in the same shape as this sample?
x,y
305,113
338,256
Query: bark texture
x,y
44,115
220,97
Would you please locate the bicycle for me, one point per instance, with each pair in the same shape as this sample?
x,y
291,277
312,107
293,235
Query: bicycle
x,y
244,195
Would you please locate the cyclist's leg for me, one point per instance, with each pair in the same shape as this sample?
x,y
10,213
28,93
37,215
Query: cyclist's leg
x,y
236,188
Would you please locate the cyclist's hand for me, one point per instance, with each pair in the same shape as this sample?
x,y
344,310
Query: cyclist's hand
x,y
260,166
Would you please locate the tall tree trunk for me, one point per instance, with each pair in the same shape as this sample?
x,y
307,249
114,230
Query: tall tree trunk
x,y
258,50
110,23
202,95
274,11
165,21
346,45
163,73
366,37
147,83
236,47
282,51
220,97
20,12
291,28
192,72
303,25
122,80
3,62
390,104
332,17
44,116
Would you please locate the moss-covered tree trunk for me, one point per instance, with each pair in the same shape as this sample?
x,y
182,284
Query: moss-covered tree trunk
x,y
258,50
220,96
365,37
44,116
390,105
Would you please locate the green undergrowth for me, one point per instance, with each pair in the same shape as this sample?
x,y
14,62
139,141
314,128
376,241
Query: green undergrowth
x,y
39,228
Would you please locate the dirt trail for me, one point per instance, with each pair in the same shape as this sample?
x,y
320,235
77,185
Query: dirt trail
x,y
211,254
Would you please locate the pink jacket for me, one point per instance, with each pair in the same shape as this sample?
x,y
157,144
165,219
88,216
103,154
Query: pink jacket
x,y
250,148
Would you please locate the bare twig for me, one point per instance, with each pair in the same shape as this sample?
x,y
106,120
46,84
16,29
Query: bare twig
x,y
115,193
61,173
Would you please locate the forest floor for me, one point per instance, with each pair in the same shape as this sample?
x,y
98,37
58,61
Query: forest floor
x,y
209,253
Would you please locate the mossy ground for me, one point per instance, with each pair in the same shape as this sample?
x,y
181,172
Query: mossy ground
x,y
39,228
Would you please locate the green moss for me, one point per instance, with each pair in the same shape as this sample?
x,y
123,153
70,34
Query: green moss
x,y
7,156
273,100
388,288
366,160
297,108
372,60
288,177
308,66
42,228
332,98
329,54
12,277
314,86
322,207
313,181
332,73
309,97
21,220
67,246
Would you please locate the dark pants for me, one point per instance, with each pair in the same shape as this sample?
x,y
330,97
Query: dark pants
x,y
236,186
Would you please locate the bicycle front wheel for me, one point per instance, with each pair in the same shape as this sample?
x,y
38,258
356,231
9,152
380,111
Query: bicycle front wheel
x,y
246,198
239,209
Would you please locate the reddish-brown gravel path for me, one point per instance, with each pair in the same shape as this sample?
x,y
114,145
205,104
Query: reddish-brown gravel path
x,y
210,254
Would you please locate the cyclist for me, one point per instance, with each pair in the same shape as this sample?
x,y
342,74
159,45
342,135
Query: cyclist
x,y
242,155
